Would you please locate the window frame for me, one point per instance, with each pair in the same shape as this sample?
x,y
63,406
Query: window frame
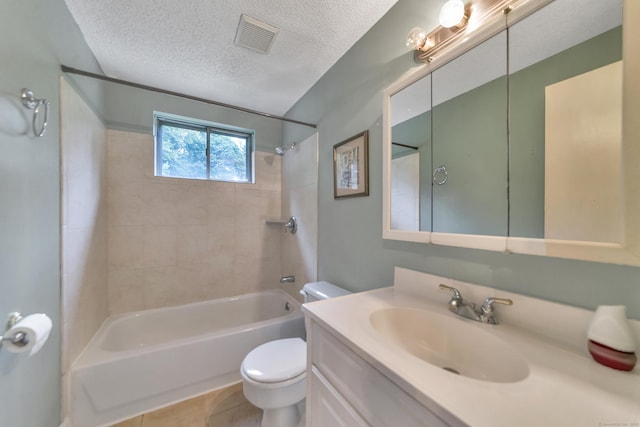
x,y
164,119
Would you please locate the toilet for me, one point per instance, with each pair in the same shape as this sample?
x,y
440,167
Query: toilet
x,y
274,373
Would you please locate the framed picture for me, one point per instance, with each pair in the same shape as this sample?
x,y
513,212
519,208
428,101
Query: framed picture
x,y
351,167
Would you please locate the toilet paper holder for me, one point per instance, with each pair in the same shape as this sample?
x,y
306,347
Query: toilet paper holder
x,y
19,339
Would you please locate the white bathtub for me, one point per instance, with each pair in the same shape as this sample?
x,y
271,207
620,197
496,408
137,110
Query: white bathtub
x,y
141,361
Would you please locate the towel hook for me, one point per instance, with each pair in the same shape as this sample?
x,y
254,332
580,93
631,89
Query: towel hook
x,y
32,103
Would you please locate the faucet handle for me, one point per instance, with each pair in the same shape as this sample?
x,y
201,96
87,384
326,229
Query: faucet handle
x,y
456,297
456,293
488,302
487,308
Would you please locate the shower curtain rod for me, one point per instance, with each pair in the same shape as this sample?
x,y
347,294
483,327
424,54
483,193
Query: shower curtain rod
x,y
180,95
404,145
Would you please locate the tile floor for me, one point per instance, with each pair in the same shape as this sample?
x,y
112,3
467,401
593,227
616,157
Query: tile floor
x,y
226,407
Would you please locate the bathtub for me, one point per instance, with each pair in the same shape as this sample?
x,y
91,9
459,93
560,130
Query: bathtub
x,y
141,361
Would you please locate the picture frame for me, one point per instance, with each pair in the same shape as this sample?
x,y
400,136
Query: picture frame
x,y
351,167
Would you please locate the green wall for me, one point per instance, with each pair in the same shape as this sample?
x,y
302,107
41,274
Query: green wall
x,y
351,251
36,36
131,109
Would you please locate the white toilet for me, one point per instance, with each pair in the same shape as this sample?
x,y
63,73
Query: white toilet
x,y
274,374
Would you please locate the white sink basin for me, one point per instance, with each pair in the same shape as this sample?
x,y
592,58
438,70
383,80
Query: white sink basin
x,y
456,345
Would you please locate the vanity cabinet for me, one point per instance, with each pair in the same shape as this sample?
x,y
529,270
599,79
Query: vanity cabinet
x,y
345,390
329,408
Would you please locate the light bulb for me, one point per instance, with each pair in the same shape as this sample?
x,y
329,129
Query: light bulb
x,y
417,39
452,13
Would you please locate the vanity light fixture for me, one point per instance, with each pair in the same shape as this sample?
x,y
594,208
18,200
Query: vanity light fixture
x,y
455,18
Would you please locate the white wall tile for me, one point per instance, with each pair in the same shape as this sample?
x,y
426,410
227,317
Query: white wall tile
x,y
126,246
300,199
160,246
193,204
174,241
268,171
126,289
84,232
192,245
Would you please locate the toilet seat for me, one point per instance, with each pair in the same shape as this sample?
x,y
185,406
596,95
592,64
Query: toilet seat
x,y
276,361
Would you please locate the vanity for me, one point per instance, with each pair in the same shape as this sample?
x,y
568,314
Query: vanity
x,y
397,356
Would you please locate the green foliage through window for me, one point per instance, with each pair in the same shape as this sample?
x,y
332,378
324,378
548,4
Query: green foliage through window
x,y
191,150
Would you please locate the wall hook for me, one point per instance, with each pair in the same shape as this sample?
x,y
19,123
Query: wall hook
x,y
32,103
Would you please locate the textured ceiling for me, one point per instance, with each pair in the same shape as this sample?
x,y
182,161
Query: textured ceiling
x,y
188,46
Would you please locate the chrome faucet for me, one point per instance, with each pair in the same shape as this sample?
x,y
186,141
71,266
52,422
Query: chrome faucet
x,y
287,279
469,310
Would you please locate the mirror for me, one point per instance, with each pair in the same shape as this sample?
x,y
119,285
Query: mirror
x,y
411,157
552,183
470,142
546,58
567,166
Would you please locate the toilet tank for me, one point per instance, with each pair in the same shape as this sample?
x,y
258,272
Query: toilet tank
x,y
316,291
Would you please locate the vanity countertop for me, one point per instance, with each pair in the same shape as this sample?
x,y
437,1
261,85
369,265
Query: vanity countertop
x,y
565,386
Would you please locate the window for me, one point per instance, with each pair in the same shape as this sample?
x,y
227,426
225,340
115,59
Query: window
x,y
188,148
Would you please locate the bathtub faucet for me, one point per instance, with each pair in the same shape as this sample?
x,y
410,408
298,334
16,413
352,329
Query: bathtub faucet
x,y
287,279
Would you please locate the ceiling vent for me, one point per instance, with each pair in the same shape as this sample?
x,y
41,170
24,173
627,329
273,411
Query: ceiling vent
x,y
255,35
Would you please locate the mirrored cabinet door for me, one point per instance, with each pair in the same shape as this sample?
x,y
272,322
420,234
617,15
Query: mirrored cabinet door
x,y
411,157
470,147
565,90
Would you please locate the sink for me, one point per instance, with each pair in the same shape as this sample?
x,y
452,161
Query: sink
x,y
453,344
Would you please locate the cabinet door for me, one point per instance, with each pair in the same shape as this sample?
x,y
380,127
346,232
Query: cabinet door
x,y
328,408
370,393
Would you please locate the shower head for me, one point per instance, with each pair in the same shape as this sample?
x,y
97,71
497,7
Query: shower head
x,y
281,150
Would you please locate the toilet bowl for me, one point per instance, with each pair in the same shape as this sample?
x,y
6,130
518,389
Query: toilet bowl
x,y
274,379
274,373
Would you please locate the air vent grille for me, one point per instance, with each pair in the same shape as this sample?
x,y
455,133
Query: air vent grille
x,y
255,35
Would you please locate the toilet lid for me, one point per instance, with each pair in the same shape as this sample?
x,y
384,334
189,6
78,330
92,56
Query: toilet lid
x,y
276,361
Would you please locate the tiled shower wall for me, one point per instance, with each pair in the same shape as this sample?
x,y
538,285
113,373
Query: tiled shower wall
x,y
83,157
300,199
176,241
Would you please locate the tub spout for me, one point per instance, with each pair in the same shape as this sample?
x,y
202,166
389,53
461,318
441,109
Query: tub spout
x,y
288,279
